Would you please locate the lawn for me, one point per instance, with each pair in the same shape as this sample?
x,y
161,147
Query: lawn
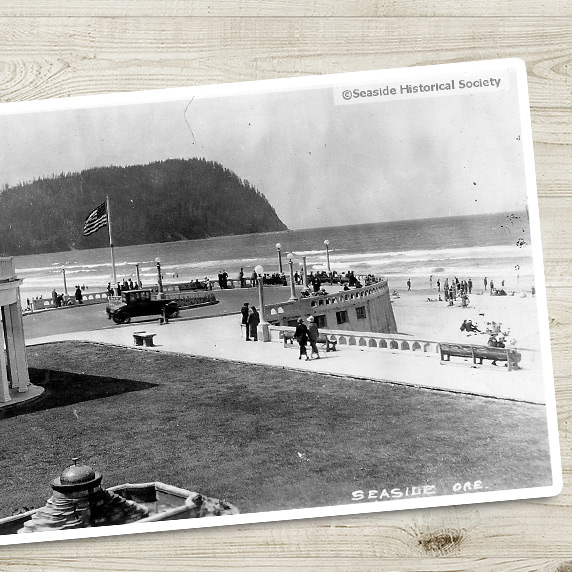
x,y
262,438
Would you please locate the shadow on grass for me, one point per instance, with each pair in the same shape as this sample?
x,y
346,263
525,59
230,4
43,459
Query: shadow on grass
x,y
65,388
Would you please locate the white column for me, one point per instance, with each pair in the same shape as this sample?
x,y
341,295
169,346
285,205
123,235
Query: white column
x,y
16,346
4,384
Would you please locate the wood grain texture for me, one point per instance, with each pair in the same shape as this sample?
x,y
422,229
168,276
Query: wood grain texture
x,y
284,8
58,49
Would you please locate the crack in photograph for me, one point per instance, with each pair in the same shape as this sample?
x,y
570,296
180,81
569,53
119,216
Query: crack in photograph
x,y
272,300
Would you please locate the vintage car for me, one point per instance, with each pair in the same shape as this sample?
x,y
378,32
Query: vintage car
x,y
133,303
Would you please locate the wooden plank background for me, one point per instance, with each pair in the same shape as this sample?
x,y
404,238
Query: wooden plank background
x,y
51,48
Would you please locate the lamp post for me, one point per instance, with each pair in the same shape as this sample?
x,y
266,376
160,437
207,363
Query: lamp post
x,y
278,247
327,243
290,258
139,285
159,278
65,284
263,331
304,273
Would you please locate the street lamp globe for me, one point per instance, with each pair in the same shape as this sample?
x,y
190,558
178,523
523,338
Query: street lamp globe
x,y
259,270
278,246
326,242
290,257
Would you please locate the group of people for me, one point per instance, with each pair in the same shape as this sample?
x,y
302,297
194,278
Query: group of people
x,y
223,279
122,287
456,288
58,300
305,334
250,321
468,326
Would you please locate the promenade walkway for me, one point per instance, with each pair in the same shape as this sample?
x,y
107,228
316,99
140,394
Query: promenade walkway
x,y
220,338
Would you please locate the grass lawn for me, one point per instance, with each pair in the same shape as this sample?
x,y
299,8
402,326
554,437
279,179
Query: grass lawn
x,y
262,438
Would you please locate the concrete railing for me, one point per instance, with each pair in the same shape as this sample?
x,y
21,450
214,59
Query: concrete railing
x,y
191,298
87,299
303,305
6,269
366,340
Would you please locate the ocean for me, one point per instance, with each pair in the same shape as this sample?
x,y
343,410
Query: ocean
x,y
493,245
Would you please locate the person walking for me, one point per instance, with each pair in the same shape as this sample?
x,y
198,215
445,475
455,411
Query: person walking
x,y
244,312
301,335
408,284
313,335
253,321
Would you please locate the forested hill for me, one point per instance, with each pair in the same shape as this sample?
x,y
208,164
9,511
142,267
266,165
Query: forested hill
x,y
177,199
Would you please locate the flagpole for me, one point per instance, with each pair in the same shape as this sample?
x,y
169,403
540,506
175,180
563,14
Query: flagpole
x,y
114,275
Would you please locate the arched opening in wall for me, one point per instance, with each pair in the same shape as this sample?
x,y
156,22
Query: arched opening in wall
x,y
362,342
372,343
352,341
273,312
394,345
416,346
383,344
342,341
404,346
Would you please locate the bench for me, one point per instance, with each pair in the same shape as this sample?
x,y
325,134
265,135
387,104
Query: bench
x,y
510,355
143,339
327,343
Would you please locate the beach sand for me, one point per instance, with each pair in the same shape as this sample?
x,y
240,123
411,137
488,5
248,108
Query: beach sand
x,y
419,313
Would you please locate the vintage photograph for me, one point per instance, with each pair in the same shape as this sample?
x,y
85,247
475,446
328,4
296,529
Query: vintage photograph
x,y
272,300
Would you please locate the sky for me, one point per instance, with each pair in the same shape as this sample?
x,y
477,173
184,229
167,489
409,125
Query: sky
x,y
318,163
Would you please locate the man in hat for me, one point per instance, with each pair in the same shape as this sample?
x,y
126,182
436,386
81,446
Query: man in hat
x,y
244,312
313,335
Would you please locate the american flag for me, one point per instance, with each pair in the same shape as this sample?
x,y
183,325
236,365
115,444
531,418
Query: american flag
x,y
96,219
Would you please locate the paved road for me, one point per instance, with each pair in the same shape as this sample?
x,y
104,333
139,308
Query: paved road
x,y
83,318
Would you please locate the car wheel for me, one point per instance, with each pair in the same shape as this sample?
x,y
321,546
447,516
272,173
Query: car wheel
x,y
172,313
121,318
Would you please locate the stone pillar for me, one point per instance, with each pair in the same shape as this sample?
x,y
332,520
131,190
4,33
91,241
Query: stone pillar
x,y
16,346
4,383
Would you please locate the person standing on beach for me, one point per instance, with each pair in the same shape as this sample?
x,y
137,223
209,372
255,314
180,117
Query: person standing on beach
x,y
485,283
241,277
313,335
492,287
301,335
431,281
253,321
254,278
78,295
470,285
438,285
408,284
244,312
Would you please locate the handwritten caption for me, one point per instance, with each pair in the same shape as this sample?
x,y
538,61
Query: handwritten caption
x,y
415,491
422,88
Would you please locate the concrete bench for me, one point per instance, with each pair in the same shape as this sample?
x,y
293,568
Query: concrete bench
x,y
327,343
143,339
511,356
